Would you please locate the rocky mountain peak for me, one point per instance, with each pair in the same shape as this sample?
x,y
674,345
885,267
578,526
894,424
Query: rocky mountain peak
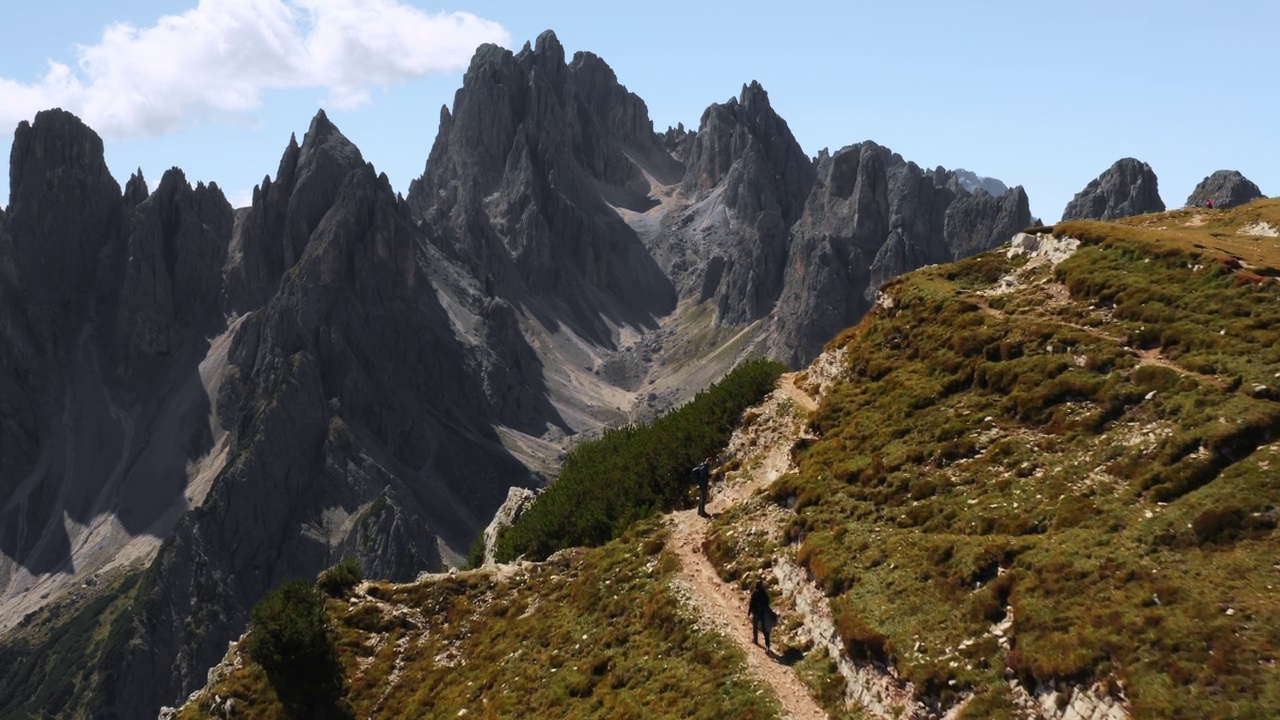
x,y
972,181
285,213
548,53
522,176
64,206
172,287
1226,188
135,190
1127,188
747,179
747,128
754,98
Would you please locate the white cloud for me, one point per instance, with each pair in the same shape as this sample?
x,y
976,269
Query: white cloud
x,y
218,59
240,198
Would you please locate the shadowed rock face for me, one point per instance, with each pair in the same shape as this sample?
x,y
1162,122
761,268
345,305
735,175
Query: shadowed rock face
x,y
64,209
1126,189
356,425
172,289
340,417
1226,188
59,250
871,217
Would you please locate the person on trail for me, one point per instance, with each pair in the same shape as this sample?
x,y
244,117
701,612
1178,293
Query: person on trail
x,y
762,616
1209,203
702,475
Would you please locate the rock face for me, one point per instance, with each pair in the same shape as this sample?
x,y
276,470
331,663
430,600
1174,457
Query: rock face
x,y
60,247
349,402
520,180
172,290
1226,188
1127,188
748,179
870,217
518,500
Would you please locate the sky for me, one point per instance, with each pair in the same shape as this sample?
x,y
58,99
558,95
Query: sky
x,y
1045,93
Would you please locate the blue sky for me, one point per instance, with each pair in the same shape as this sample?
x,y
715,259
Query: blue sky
x,y
1042,94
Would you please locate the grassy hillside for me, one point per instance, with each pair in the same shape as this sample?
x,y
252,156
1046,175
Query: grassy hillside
x,y
53,664
588,634
1092,455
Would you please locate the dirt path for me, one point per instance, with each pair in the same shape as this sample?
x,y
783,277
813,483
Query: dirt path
x,y
723,606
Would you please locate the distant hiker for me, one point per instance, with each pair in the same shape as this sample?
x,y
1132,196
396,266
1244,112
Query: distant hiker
x,y
1209,203
762,616
702,476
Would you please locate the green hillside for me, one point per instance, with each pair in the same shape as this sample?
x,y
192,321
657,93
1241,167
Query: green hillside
x,y
587,634
1093,454
1028,481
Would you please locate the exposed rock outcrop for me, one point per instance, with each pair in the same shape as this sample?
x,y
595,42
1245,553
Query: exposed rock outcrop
x,y
285,212
1127,188
873,216
59,249
64,209
1226,188
748,179
518,500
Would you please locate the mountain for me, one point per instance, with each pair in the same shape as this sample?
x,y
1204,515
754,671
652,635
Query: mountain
x,y
1035,483
1127,188
1226,188
972,181
870,217
201,404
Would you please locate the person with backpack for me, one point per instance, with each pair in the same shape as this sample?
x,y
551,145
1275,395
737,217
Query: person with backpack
x,y
702,476
762,616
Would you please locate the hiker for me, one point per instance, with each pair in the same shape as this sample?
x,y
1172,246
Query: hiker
x,y
1209,203
702,475
762,616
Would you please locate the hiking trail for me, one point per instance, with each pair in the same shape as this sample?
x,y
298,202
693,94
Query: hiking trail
x,y
721,605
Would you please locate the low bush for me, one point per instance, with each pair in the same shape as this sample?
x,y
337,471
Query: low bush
x,y
290,640
338,580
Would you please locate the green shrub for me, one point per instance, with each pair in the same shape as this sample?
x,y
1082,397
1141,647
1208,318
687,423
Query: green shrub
x,y
339,579
475,556
290,640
